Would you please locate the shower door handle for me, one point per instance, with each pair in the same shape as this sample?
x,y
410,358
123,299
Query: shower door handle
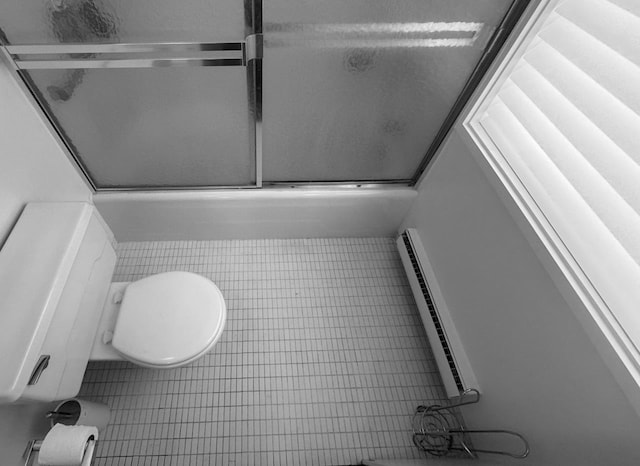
x,y
53,56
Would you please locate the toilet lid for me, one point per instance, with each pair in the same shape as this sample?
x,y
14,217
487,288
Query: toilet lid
x,y
169,318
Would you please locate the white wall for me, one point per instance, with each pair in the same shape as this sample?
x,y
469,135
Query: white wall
x,y
32,168
539,372
32,165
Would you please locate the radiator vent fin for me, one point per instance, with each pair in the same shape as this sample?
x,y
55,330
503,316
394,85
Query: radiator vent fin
x,y
448,351
433,312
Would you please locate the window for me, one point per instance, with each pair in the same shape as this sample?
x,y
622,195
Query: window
x,y
559,122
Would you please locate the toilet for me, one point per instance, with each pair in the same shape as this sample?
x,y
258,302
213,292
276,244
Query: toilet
x,y
162,321
63,311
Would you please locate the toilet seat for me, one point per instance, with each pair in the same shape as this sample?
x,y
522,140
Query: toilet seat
x,y
169,319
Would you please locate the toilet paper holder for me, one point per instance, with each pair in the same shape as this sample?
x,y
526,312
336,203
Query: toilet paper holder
x,y
35,445
32,446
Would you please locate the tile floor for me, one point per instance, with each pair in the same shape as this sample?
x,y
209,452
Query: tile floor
x,y
323,360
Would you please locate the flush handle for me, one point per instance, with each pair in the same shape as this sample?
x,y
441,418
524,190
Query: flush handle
x,y
42,364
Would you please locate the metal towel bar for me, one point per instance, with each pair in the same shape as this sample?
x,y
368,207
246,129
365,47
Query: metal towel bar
x,y
32,446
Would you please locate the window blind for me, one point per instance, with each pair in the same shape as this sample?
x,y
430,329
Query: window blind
x,y
567,120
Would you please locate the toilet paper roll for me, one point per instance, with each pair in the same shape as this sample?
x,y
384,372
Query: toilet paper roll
x,y
66,445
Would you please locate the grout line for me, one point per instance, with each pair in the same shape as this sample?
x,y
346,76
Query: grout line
x,y
322,361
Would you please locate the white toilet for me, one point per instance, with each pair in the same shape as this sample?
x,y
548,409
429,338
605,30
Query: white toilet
x,y
161,321
61,310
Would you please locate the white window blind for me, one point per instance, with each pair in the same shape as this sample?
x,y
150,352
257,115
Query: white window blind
x,y
567,121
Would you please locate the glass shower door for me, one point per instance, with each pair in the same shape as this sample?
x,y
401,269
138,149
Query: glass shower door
x,y
147,94
357,90
159,94
150,127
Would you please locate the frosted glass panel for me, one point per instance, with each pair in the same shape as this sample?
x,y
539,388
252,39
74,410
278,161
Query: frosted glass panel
x,y
70,21
352,90
358,90
157,126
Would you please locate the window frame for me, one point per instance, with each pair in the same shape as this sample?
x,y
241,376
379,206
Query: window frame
x,y
618,351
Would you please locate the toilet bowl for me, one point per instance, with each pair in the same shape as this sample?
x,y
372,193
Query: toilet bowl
x,y
162,321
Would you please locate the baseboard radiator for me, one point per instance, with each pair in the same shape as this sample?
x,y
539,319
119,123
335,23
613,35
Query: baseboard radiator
x,y
448,351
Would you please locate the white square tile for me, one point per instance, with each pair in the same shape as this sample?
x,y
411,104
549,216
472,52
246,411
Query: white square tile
x,y
322,361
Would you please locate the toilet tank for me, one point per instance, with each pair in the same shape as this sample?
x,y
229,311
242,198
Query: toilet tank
x,y
55,271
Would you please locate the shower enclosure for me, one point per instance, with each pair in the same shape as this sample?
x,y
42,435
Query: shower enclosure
x,y
205,94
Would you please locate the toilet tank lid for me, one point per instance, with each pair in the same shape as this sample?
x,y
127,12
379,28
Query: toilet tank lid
x,y
35,262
